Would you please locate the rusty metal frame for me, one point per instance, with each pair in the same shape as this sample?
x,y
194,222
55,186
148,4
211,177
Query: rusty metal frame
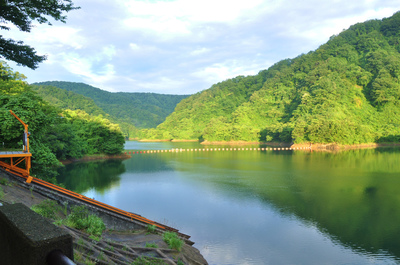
x,y
25,155
12,166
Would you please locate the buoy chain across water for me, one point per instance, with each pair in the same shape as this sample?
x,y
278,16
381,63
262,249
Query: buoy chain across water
x,y
176,150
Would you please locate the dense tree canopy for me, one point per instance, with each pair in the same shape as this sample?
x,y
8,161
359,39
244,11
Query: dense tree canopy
x,y
22,14
55,134
346,92
130,110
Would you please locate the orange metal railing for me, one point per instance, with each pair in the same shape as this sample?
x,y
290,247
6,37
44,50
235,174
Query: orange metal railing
x,y
97,203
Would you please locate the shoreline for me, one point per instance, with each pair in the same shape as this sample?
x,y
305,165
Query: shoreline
x,y
313,146
122,156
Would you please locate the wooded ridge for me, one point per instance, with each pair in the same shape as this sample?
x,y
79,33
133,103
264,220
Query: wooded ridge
x,y
346,92
56,134
129,110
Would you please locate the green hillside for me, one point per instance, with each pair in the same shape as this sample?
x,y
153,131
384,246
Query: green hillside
x,y
54,134
143,110
347,92
65,99
130,110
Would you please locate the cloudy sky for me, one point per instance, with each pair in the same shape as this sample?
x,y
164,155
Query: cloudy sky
x,y
185,46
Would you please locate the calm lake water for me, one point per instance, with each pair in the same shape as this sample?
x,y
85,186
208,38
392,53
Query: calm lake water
x,y
259,207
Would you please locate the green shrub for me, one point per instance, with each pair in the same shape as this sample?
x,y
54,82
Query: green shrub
x,y
1,193
82,220
78,216
95,225
171,238
151,245
151,228
47,208
148,260
4,181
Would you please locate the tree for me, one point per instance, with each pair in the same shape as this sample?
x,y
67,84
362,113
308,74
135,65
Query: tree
x,y
22,13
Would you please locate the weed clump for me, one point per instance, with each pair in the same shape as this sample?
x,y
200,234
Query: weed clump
x,y
151,228
1,193
79,217
151,245
47,209
172,240
5,182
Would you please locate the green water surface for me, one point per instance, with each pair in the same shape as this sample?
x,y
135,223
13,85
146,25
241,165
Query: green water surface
x,y
260,207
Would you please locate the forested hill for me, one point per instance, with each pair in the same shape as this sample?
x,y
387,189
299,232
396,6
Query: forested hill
x,y
143,110
65,99
55,134
347,92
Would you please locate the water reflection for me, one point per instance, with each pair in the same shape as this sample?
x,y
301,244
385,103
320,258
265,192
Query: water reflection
x,y
100,175
254,207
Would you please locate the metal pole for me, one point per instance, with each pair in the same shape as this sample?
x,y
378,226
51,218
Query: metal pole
x,y
56,257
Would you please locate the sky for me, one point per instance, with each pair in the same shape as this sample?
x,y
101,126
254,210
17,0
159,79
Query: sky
x,y
184,46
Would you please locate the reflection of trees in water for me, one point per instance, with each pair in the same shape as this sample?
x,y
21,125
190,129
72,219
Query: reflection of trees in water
x,y
146,163
351,196
99,175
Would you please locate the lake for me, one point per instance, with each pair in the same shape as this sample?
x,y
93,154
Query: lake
x,y
259,207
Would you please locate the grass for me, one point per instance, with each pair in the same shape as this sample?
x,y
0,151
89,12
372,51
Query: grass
x,y
151,245
125,248
147,260
1,193
101,256
151,228
79,217
171,238
31,189
47,208
5,182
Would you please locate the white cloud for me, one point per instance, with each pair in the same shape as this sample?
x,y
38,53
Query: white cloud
x,y
184,46
134,46
160,84
175,18
163,25
221,71
86,67
108,52
193,10
199,51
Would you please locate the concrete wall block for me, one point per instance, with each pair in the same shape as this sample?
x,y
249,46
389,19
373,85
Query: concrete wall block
x,y
27,238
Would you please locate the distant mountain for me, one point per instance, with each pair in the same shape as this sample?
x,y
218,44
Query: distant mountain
x,y
347,92
68,100
143,110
